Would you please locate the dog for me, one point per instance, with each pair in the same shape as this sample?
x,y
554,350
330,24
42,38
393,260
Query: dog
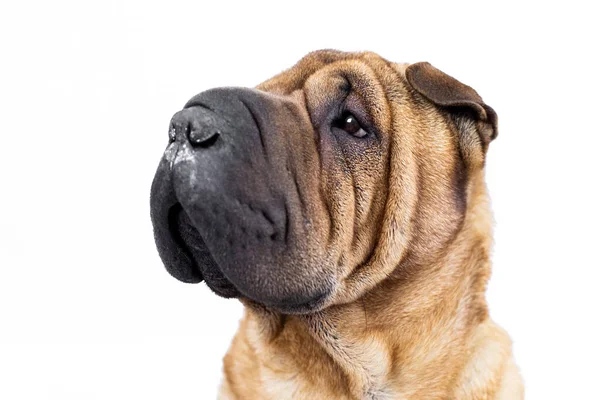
x,y
343,203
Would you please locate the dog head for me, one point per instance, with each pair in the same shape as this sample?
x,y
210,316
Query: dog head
x,y
313,187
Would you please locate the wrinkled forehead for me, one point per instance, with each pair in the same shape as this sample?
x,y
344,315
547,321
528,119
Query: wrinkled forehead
x,y
327,76
295,77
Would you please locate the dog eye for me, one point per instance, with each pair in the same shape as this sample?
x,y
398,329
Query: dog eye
x,y
349,124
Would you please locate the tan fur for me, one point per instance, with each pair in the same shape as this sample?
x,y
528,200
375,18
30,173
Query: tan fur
x,y
408,319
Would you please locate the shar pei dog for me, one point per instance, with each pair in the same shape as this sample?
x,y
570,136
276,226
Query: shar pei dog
x,y
343,203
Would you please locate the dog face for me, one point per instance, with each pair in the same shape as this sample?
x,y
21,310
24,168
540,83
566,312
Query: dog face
x,y
319,183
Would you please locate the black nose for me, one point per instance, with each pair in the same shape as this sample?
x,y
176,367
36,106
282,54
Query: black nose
x,y
198,125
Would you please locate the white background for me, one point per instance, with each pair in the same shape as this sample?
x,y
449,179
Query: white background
x,y
86,93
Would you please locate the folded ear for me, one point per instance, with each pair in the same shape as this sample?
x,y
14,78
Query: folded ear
x,y
456,97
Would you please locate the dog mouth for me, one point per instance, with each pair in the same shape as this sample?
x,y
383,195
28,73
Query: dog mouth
x,y
191,244
186,237
189,257
180,245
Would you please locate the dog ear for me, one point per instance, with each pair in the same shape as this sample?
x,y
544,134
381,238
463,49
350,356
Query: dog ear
x,y
459,99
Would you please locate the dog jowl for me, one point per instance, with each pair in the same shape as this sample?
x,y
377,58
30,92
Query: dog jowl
x,y
344,180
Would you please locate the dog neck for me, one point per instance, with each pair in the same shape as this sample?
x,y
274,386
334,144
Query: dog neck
x,y
396,338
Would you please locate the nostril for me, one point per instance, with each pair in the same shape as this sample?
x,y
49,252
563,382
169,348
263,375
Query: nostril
x,y
203,136
197,125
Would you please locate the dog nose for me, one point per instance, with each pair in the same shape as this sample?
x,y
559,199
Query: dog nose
x,y
197,125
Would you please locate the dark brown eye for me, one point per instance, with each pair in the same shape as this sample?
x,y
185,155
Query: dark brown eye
x,y
350,125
